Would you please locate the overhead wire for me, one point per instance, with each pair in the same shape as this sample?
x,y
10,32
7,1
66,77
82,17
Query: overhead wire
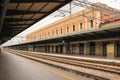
x,y
83,4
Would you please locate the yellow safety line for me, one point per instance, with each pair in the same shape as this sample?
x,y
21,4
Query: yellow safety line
x,y
53,71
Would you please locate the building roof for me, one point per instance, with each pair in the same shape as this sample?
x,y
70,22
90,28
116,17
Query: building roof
x,y
17,15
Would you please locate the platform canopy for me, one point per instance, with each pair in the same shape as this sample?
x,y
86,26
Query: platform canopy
x,y
18,15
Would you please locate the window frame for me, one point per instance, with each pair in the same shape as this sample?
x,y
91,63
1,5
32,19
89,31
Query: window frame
x,y
56,32
53,33
61,31
91,23
67,29
73,27
81,25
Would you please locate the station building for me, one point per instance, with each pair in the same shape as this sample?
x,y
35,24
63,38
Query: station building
x,y
87,32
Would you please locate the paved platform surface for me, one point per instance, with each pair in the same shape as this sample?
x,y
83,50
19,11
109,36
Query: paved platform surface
x,y
84,57
13,67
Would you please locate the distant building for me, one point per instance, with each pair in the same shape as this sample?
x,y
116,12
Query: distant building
x,y
87,32
81,21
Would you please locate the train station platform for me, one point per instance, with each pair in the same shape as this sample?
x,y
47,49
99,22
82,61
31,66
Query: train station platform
x,y
95,70
13,67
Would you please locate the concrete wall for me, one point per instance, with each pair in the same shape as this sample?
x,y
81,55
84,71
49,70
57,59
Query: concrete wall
x,y
75,19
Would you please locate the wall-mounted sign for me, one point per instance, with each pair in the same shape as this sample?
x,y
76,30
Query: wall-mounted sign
x,y
110,48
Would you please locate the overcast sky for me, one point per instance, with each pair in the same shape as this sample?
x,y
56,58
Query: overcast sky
x,y
51,18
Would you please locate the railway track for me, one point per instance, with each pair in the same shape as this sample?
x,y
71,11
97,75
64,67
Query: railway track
x,y
100,67
103,67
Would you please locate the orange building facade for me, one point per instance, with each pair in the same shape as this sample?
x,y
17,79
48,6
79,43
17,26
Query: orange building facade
x,y
89,26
